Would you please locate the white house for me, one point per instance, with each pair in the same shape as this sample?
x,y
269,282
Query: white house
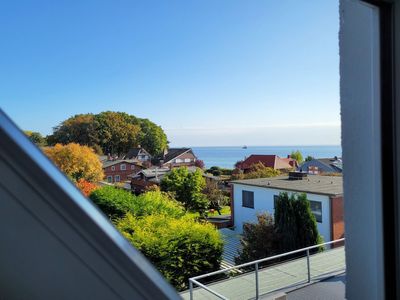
x,y
252,196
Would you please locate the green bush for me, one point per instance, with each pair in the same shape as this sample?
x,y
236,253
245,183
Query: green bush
x,y
156,202
179,248
115,203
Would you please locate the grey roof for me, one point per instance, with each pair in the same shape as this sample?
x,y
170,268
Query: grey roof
x,y
151,173
315,184
330,165
109,163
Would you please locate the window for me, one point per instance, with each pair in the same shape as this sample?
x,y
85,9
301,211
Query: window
x,y
109,178
132,167
276,197
122,167
117,178
316,209
178,160
248,199
187,160
112,168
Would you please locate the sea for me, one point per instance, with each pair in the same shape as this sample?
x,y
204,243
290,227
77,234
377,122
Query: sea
x,y
227,156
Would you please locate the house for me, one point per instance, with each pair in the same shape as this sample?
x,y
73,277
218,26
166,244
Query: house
x,y
325,193
139,154
178,157
322,165
270,161
118,170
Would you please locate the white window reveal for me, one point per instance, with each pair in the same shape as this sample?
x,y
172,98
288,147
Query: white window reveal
x,y
178,160
123,167
109,179
187,160
112,168
117,178
132,167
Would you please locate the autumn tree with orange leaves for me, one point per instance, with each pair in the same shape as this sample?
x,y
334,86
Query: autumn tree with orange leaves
x,y
76,161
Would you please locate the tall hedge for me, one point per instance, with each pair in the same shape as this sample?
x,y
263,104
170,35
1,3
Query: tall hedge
x,y
179,248
115,203
295,223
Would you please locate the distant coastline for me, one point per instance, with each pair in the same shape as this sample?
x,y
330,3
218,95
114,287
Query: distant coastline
x,y
227,156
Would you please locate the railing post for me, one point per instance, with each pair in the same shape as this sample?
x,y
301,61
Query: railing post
x,y
257,287
191,289
308,265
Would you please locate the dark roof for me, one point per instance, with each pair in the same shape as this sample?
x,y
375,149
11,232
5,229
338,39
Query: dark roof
x,y
174,152
332,165
134,152
324,185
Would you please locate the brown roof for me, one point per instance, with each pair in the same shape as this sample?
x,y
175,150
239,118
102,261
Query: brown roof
x,y
271,161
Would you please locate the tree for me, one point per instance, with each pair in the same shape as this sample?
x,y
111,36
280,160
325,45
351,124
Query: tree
x,y
118,132
258,239
297,156
215,196
152,137
86,187
295,224
179,248
36,138
187,187
112,132
309,158
80,129
76,161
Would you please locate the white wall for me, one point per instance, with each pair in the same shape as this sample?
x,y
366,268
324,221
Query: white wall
x,y
264,201
361,142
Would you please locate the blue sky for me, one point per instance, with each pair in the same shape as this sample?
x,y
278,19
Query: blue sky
x,y
210,72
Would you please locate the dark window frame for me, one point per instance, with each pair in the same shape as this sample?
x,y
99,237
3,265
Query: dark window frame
x,y
245,200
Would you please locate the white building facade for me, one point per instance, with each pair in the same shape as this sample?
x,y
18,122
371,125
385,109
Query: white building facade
x,y
248,200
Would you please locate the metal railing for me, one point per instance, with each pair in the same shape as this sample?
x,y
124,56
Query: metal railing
x,y
193,281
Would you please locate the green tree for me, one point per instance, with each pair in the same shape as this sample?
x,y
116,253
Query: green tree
x,y
179,248
81,129
118,132
258,239
295,224
36,138
297,156
152,137
110,132
187,187
309,158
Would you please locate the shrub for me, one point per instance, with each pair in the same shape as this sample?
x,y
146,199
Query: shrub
x,y
258,239
179,248
86,187
114,202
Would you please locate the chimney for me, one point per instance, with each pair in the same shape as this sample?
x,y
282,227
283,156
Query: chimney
x,y
288,156
109,156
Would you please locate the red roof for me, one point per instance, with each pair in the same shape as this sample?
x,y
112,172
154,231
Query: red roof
x,y
271,161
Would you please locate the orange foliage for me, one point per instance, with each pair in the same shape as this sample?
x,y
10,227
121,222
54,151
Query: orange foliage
x,y
86,187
